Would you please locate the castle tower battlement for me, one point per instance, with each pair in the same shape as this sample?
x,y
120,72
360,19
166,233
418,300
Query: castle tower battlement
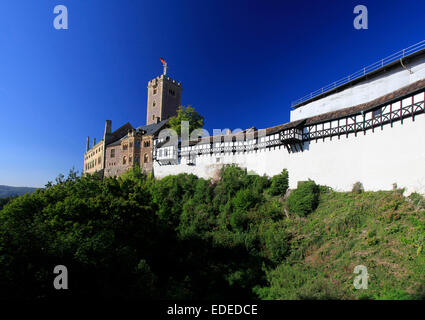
x,y
164,97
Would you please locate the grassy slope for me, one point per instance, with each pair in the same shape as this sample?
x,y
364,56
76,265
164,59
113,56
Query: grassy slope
x,y
381,230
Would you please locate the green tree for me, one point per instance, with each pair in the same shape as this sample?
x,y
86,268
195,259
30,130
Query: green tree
x,y
304,199
279,183
189,114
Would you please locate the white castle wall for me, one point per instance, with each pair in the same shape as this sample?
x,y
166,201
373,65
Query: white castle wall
x,y
365,91
377,159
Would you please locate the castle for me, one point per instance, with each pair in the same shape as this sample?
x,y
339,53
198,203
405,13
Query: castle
x,y
366,127
128,146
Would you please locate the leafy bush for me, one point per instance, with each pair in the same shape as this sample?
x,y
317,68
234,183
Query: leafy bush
x,y
276,241
279,183
290,282
304,199
357,188
417,200
184,237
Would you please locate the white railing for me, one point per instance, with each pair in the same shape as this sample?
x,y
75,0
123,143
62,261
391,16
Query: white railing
x,y
379,64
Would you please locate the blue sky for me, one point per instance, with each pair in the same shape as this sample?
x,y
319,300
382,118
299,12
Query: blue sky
x,y
241,63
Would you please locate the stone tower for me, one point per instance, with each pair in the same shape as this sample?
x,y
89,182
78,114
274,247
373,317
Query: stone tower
x,y
164,96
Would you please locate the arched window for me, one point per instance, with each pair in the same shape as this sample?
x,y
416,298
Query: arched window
x,y
145,158
154,104
124,160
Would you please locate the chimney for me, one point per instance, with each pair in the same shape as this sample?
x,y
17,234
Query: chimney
x,y
108,127
88,144
94,142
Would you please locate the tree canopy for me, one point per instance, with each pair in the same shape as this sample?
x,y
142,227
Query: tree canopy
x,y
184,237
189,114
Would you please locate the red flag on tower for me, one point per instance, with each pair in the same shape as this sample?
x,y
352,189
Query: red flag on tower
x,y
162,60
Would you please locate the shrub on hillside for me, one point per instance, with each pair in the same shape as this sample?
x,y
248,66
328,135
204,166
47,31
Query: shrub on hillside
x,y
417,200
244,200
280,183
357,187
304,199
276,241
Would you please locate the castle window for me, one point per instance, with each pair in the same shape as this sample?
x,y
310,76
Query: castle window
x,y
154,104
154,91
125,147
146,143
145,158
153,117
112,153
130,159
172,92
124,160
131,145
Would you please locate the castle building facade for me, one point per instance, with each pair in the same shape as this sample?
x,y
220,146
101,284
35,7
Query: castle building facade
x,y
130,146
367,127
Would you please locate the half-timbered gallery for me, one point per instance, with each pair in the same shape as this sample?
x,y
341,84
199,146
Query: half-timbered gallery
x,y
367,127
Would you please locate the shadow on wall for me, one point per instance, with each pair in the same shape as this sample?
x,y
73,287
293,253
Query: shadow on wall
x,y
300,147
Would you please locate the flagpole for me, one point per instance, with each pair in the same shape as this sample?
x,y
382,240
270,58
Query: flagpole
x,y
164,63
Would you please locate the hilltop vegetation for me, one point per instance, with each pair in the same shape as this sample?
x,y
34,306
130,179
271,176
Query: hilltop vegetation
x,y
8,191
188,238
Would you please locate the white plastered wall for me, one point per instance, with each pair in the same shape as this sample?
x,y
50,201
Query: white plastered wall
x,y
377,159
363,92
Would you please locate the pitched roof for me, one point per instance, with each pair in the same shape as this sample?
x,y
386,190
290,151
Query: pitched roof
x,y
333,115
388,98
153,128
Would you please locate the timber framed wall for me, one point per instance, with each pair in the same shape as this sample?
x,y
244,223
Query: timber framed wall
x,y
377,145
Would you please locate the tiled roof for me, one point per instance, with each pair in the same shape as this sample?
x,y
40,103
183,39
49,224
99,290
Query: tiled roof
x,y
388,98
333,115
153,128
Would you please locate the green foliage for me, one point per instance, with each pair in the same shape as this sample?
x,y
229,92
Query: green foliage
x,y
417,200
279,183
394,294
183,237
357,187
189,114
295,282
304,199
4,201
276,241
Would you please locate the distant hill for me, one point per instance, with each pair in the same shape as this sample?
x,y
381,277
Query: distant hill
x,y
7,191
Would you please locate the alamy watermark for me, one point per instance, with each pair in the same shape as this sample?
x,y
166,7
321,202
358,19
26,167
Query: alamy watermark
x,y
361,20
61,280
361,281
61,20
